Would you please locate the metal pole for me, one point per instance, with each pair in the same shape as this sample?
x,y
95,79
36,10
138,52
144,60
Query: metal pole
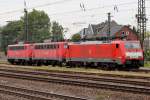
x,y
26,25
141,19
109,26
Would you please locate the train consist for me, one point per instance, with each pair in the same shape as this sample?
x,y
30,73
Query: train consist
x,y
108,55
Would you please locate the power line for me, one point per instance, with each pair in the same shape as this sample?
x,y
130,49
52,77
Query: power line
x,y
42,5
48,4
90,15
90,9
74,11
62,1
63,13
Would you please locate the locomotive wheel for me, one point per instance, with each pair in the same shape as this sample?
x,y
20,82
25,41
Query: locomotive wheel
x,y
11,61
106,67
22,62
59,63
38,63
53,63
70,64
29,63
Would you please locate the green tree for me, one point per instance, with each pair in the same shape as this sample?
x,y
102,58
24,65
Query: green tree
x,y
39,29
147,34
147,51
11,33
76,38
38,26
57,32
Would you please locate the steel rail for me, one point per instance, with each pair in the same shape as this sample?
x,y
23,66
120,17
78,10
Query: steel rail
x,y
34,94
87,77
142,70
124,85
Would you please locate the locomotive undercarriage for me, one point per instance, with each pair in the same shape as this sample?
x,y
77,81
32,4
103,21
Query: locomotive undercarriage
x,y
130,64
134,64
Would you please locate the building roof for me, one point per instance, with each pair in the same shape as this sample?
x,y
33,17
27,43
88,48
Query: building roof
x,y
102,29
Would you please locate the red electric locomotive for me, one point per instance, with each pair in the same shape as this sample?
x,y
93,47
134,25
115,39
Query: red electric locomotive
x,y
92,53
107,55
49,53
19,53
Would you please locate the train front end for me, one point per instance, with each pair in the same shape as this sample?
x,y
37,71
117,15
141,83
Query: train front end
x,y
134,54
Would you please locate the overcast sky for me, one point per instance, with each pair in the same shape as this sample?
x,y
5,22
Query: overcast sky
x,y
71,15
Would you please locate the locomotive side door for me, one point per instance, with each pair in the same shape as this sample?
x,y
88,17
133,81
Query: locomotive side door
x,y
116,53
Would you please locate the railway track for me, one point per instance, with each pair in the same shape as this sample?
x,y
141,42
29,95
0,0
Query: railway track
x,y
34,94
113,83
58,73
143,70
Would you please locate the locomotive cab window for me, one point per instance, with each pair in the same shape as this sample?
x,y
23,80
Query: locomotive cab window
x,y
65,45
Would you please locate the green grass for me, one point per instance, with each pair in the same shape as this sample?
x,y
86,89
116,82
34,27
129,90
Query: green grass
x,y
103,96
78,69
147,64
3,62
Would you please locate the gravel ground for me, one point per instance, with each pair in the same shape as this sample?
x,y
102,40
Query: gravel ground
x,y
10,97
92,94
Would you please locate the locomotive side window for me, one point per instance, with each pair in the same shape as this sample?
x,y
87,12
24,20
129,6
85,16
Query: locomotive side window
x,y
54,46
51,46
47,46
117,45
16,48
36,47
57,46
66,46
44,46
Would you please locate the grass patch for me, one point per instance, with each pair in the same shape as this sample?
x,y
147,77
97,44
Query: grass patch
x,y
103,96
77,69
3,62
147,64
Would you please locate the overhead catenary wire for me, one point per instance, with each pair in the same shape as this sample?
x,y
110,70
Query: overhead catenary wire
x,y
14,11
74,11
42,5
100,14
62,1
69,12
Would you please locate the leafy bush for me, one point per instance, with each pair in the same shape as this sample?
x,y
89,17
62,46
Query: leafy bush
x,y
147,55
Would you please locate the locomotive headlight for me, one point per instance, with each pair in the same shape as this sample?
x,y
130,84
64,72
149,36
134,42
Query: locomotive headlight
x,y
134,54
128,57
140,56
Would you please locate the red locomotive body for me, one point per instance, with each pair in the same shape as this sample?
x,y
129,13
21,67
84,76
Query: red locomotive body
x,y
95,53
108,54
19,53
49,52
92,53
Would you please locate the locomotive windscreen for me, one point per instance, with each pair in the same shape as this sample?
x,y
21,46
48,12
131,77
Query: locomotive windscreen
x,y
132,45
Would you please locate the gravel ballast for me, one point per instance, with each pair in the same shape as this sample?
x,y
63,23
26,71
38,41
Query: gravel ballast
x,y
92,94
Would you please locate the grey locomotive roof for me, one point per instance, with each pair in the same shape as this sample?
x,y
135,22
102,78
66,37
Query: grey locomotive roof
x,y
91,42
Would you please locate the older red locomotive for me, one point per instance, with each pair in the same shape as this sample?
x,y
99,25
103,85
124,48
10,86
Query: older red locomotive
x,y
92,53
